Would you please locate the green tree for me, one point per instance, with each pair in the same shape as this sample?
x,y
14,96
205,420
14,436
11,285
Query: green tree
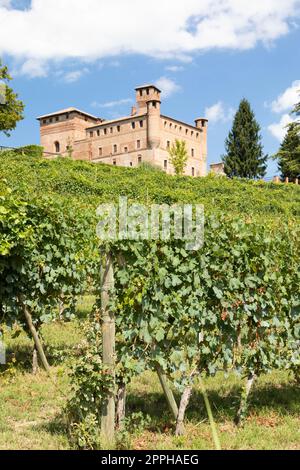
x,y
178,156
296,111
70,149
289,153
11,108
244,151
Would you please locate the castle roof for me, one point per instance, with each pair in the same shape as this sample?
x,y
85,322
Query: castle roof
x,y
68,110
104,122
148,86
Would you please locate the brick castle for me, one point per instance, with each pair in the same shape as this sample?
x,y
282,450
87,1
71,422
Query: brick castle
x,y
144,136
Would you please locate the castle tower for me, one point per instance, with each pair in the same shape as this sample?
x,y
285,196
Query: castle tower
x,y
202,124
144,94
153,122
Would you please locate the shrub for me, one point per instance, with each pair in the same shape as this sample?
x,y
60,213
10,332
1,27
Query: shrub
x,y
31,151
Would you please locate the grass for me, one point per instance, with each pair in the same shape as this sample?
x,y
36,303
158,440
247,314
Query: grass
x,y
31,406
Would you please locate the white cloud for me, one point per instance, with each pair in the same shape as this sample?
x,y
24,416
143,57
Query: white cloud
x,y
33,68
167,86
279,129
174,68
95,29
287,99
74,75
114,63
112,104
217,112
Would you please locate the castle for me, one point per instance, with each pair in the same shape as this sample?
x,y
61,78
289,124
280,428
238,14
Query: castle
x,y
144,136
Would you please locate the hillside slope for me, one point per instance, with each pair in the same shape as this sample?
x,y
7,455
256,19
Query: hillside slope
x,y
101,183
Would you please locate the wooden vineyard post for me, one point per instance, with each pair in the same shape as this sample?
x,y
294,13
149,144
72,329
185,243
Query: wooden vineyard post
x,y
108,350
168,392
36,339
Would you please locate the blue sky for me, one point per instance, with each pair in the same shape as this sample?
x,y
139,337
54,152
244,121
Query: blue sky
x,y
205,58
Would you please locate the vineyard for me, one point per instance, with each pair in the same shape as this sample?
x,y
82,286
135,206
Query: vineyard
x,y
157,313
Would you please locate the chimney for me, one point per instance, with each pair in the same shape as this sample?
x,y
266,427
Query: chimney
x,y
201,123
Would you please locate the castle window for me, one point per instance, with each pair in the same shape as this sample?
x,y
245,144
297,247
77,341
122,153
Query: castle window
x,y
57,118
67,116
133,125
115,148
45,121
111,130
51,120
125,149
141,92
192,133
168,144
91,134
193,152
186,131
165,123
130,163
100,151
148,91
175,126
197,135
105,131
180,129
165,164
114,161
141,123
119,128
139,158
171,125
193,171
57,147
154,104
98,133
138,144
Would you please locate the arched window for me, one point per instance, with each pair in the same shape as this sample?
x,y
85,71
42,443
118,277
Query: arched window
x,y
57,147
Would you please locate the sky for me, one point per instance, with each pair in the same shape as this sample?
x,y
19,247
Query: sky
x,y
205,55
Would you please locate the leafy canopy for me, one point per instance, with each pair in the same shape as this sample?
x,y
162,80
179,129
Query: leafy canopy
x,y
11,108
93,184
178,156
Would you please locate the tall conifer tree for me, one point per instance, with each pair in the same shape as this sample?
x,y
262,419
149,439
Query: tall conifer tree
x,y
244,151
289,153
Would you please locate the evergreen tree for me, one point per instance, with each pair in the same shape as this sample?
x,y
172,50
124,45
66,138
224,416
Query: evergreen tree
x,y
11,109
289,153
244,151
